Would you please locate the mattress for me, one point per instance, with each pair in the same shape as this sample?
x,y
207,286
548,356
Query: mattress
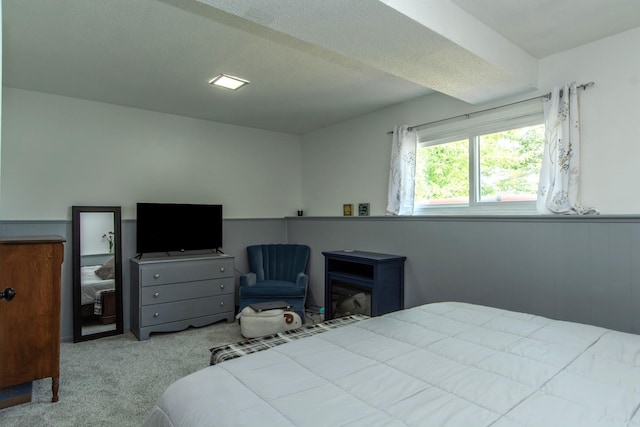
x,y
91,283
443,364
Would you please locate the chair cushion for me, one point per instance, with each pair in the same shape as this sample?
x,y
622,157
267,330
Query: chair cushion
x,y
273,288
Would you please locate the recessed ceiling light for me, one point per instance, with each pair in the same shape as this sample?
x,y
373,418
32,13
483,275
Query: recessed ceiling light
x,y
228,82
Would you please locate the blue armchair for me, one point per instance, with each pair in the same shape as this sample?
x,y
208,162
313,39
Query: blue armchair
x,y
277,273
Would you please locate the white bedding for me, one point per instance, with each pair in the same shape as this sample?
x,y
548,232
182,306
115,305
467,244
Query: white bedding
x,y
91,283
444,364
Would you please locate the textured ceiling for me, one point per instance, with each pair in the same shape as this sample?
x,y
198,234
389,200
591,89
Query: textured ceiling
x,y
413,40
311,63
545,27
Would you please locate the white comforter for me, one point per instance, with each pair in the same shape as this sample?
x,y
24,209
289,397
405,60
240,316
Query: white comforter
x,y
445,364
91,283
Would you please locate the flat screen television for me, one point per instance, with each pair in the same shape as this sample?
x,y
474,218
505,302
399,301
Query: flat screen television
x,y
174,227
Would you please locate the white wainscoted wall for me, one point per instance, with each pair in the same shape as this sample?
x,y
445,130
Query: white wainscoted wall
x,y
59,151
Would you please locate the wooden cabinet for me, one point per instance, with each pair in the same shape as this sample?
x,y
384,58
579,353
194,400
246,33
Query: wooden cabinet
x,y
30,322
358,282
173,293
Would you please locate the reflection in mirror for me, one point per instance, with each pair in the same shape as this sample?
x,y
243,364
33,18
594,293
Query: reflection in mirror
x,y
97,275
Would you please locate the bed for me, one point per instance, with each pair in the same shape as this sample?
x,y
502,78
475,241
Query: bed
x,y
441,364
97,293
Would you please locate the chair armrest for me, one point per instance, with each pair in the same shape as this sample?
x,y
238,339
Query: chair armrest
x,y
248,279
302,280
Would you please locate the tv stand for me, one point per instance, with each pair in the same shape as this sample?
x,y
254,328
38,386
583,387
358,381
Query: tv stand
x,y
368,282
171,293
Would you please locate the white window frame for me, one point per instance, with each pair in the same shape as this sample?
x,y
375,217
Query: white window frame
x,y
495,121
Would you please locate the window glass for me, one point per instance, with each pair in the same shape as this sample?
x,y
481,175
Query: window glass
x,y
484,165
442,173
510,164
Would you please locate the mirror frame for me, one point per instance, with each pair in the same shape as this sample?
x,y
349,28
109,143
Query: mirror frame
x,y
117,253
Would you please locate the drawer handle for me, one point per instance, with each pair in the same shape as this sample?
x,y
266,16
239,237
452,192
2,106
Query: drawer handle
x,y
222,304
222,286
221,269
156,276
156,295
156,314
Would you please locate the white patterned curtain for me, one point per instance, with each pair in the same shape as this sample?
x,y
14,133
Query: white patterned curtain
x,y
403,171
560,173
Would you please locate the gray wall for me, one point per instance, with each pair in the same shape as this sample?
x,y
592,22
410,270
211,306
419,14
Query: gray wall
x,y
238,233
578,269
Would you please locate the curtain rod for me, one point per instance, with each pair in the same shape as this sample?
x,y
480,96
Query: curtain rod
x,y
468,115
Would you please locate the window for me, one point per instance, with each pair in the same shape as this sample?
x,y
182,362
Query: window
x,y
489,164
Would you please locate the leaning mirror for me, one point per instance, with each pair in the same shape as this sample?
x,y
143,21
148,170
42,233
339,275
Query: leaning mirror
x,y
97,272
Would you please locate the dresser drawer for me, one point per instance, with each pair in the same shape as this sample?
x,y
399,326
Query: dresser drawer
x,y
171,293
181,310
185,271
180,291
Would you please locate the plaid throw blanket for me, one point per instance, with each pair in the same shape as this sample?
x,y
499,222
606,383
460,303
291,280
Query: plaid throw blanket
x,y
231,351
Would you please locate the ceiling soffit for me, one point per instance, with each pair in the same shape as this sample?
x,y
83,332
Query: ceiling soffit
x,y
433,43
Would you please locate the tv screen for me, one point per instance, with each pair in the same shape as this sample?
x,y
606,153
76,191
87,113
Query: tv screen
x,y
171,227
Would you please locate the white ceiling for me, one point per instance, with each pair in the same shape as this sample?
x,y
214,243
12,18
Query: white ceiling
x,y
311,63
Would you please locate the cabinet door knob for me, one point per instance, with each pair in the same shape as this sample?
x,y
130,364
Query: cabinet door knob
x,y
222,304
222,269
156,276
156,314
222,286
157,294
7,294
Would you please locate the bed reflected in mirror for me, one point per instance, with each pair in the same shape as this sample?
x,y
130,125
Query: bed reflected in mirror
x,y
97,272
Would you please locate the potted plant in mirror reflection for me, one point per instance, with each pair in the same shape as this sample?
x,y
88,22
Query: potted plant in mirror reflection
x,y
109,237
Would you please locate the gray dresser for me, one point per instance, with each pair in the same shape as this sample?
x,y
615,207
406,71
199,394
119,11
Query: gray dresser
x,y
172,293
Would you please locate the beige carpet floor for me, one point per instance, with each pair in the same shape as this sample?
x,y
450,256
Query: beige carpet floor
x,y
115,381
